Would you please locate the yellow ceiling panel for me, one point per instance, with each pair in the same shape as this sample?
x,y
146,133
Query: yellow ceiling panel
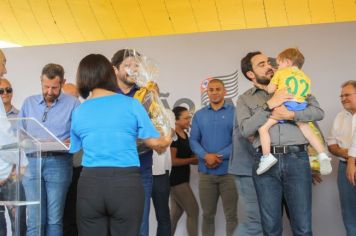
x,y
275,13
156,16
44,19
85,20
41,22
4,34
345,10
25,18
206,15
298,12
132,20
255,13
107,19
231,14
63,18
11,26
181,15
321,11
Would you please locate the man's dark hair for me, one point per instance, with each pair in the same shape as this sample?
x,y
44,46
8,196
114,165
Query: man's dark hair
x,y
178,111
95,71
121,55
246,64
52,70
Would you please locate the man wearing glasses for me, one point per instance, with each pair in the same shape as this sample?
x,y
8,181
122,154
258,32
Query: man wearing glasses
x,y
339,142
6,97
53,110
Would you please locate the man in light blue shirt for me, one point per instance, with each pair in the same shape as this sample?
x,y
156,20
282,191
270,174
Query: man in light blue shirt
x,y
211,141
53,110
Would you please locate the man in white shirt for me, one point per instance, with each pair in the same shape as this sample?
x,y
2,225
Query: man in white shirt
x,y
5,136
339,142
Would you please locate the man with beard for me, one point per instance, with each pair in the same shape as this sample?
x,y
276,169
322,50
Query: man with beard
x,y
291,178
53,110
211,141
125,65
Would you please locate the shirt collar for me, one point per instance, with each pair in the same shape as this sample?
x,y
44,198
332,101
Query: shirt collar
x,y
42,101
13,110
133,89
223,106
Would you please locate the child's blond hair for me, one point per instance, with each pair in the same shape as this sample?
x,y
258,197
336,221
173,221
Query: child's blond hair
x,y
294,55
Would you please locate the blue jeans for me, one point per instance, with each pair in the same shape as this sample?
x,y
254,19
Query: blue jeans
x,y
56,175
250,224
160,198
146,178
290,178
347,200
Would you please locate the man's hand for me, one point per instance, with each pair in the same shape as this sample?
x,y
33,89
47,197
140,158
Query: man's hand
x,y
316,179
282,113
351,171
212,160
279,97
67,142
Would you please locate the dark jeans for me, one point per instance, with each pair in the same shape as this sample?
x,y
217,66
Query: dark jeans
x,y
69,216
160,197
147,181
289,178
16,213
347,194
110,200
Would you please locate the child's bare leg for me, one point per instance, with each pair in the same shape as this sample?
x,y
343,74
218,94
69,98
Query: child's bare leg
x,y
267,160
264,136
325,165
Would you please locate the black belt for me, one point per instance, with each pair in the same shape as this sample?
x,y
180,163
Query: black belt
x,y
47,154
285,149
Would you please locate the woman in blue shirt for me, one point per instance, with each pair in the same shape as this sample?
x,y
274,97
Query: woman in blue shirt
x,y
106,127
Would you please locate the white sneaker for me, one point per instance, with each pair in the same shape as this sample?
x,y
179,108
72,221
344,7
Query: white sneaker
x,y
325,164
266,163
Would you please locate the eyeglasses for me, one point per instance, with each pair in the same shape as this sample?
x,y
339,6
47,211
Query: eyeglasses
x,y
346,95
7,90
45,113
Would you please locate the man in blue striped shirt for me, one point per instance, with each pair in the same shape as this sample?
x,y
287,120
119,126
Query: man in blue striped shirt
x,y
211,141
53,110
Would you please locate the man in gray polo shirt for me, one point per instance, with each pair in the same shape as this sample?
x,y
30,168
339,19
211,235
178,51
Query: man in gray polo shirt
x,y
291,178
240,165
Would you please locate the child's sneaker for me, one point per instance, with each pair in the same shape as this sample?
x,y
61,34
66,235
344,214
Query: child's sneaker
x,y
325,164
266,163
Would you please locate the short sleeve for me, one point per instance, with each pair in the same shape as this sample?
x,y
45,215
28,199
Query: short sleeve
x,y
75,140
352,149
145,127
174,144
331,139
275,78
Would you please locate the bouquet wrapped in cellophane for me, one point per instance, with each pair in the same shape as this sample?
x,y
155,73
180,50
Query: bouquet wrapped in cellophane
x,y
145,74
313,155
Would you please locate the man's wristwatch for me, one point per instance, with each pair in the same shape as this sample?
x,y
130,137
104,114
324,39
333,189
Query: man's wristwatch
x,y
265,107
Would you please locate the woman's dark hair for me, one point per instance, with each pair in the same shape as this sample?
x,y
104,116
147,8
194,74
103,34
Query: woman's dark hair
x,y
178,111
95,71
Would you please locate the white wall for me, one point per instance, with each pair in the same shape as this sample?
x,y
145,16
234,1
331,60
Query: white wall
x,y
186,60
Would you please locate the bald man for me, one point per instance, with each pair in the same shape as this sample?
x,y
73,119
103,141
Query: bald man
x,y
8,160
70,89
3,71
6,93
5,136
